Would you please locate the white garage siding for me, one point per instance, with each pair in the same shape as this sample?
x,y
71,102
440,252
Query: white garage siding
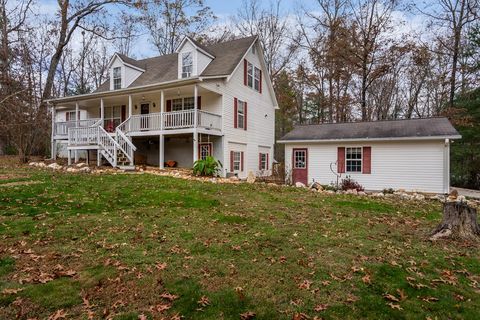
x,y
409,165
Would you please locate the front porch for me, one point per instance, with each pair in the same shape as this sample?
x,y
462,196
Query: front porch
x,y
188,107
110,123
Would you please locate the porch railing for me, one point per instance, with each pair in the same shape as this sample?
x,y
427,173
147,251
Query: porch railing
x,y
61,127
171,120
83,136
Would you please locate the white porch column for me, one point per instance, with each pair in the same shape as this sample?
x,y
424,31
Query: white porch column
x,y
130,106
102,111
77,116
162,109
161,156
99,158
69,157
53,148
195,123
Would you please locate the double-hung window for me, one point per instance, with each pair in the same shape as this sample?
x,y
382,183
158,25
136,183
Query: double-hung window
x,y
241,114
263,161
237,160
180,104
256,81
353,159
71,116
187,64
254,77
117,78
250,74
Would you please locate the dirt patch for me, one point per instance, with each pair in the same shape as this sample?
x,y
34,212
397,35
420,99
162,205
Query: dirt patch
x,y
19,183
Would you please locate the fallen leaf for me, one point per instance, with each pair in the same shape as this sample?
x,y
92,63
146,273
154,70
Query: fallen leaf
x,y
320,307
300,316
366,279
429,299
305,284
204,301
11,291
391,297
168,296
394,306
247,315
59,314
402,294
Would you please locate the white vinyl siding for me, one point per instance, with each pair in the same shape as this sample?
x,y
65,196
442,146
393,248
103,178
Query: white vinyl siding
x,y
410,165
261,116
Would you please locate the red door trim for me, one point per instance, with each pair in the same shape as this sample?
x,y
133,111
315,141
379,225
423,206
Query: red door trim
x,y
306,165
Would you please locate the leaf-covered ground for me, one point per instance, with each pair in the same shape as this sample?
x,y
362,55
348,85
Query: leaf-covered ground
x,y
125,246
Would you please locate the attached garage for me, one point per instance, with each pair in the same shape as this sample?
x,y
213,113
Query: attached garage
x,y
413,155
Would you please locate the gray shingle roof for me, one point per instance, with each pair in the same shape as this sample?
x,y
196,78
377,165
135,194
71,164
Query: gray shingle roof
x,y
411,128
165,68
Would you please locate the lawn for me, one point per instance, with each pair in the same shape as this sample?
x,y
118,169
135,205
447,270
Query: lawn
x,y
139,246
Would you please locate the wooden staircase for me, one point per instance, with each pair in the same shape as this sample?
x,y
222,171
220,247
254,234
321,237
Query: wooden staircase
x,y
117,149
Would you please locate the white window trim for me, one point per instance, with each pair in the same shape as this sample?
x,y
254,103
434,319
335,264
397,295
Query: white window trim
x,y
117,78
183,73
255,73
361,160
240,124
263,161
239,161
295,159
253,76
70,116
183,102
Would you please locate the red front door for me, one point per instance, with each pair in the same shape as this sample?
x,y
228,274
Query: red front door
x,y
300,166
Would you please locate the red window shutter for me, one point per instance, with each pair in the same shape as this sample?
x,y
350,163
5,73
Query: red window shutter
x,y
245,71
245,119
367,160
67,116
268,161
124,111
241,161
235,110
260,88
341,160
259,161
231,161
78,115
169,105
199,102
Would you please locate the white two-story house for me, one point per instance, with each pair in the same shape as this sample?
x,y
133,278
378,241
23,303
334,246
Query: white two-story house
x,y
201,100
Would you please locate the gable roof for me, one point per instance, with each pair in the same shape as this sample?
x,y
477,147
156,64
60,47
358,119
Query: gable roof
x,y
165,68
131,61
374,130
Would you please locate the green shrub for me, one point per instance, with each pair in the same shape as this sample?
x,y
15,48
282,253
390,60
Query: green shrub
x,y
207,167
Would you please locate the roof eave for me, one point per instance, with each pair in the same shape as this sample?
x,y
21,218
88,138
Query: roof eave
x,y
452,137
129,90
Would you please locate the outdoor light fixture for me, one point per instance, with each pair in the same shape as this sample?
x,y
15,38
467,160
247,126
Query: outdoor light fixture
x,y
154,104
135,107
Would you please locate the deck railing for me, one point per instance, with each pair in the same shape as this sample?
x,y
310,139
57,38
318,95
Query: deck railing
x,y
83,136
149,122
171,120
61,127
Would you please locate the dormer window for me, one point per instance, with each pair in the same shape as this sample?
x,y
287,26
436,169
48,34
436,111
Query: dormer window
x,y
187,64
117,78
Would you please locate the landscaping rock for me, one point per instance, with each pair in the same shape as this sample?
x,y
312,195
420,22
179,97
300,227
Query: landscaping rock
x,y
299,184
351,191
419,197
461,199
55,166
81,165
251,177
362,193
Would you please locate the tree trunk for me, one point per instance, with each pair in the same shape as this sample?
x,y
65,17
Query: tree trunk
x,y
459,221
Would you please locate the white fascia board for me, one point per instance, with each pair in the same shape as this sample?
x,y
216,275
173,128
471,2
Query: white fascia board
x,y
370,140
186,38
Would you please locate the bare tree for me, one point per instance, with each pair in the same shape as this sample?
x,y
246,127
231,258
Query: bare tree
x,y
71,17
168,21
273,30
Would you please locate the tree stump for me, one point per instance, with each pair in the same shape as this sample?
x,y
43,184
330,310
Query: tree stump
x,y
459,221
